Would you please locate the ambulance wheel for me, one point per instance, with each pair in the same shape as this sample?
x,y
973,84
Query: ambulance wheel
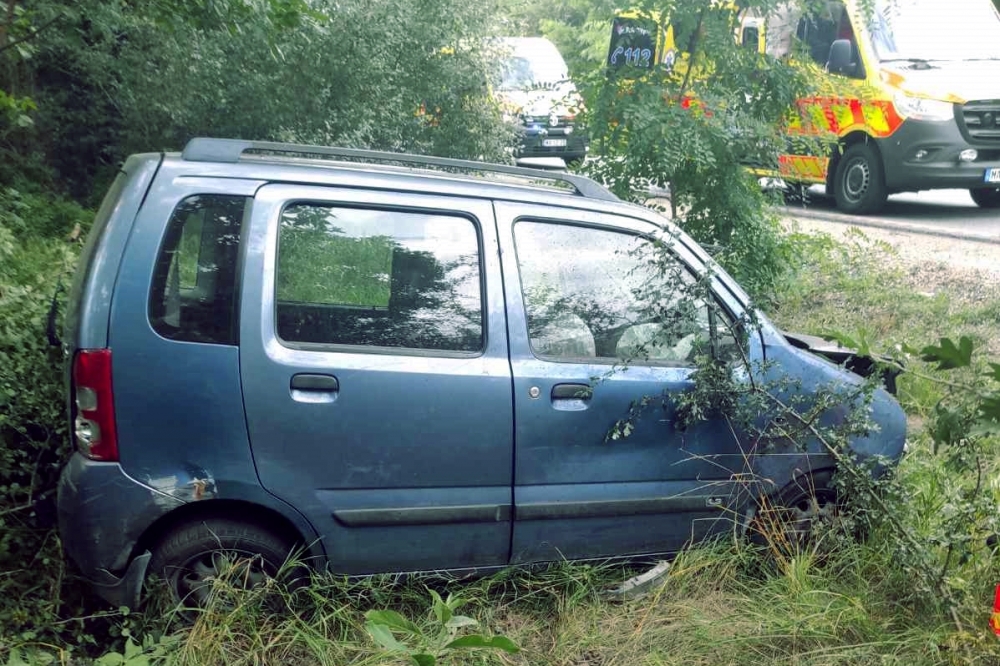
x,y
859,184
986,197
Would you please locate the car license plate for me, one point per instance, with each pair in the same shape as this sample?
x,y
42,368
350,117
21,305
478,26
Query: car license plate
x,y
552,143
993,175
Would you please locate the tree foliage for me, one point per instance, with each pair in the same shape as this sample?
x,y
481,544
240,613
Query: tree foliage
x,y
694,126
692,133
109,79
579,28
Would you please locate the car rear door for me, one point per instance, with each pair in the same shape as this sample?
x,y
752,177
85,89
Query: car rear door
x,y
589,480
373,357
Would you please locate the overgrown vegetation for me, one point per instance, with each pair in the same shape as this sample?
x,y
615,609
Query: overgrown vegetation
x,y
85,83
88,82
689,127
33,432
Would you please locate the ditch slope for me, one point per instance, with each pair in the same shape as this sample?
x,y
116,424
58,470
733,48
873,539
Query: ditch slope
x,y
967,270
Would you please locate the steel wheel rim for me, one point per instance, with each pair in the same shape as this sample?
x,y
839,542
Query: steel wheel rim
x,y
802,516
194,580
857,179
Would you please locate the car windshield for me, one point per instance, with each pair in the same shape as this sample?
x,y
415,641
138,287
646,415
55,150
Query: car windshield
x,y
929,30
539,69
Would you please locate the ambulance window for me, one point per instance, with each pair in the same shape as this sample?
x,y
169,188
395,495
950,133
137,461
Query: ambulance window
x,y
816,33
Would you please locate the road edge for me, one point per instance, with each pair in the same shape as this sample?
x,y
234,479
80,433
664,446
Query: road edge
x,y
883,223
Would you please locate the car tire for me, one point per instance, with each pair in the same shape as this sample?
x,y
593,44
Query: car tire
x,y
192,556
859,183
986,197
787,520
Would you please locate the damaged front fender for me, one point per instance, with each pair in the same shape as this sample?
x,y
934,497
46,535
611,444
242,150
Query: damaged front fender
x,y
863,366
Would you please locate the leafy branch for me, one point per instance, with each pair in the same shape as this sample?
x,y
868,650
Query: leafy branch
x,y
31,35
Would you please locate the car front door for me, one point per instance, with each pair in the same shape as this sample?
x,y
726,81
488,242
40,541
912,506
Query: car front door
x,y
373,357
604,329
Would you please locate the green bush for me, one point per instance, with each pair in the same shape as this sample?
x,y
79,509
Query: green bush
x,y
109,79
40,216
34,257
33,260
692,130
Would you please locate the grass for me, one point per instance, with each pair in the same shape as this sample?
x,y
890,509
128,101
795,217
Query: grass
x,y
718,605
317,267
836,602
861,288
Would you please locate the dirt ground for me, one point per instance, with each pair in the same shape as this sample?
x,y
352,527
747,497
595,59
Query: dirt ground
x,y
967,270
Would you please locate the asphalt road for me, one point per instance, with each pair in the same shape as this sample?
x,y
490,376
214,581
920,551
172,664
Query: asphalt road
x,y
939,212
944,213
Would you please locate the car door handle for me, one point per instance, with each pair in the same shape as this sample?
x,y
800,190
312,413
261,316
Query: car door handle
x,y
310,382
572,392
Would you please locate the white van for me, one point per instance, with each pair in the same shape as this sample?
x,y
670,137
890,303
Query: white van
x,y
534,87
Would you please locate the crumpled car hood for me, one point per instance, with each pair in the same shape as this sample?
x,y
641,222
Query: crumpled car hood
x,y
834,352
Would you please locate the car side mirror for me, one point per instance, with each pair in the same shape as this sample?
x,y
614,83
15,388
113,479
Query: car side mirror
x,y
841,60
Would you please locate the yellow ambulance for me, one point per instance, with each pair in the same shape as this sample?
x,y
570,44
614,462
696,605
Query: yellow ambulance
x,y
907,96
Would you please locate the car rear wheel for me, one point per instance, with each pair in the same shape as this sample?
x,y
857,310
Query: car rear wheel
x,y
192,558
859,183
986,197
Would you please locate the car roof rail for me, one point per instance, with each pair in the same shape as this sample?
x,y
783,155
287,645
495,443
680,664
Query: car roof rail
x,y
203,149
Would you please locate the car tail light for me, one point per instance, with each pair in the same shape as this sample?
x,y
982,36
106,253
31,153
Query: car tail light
x,y
94,423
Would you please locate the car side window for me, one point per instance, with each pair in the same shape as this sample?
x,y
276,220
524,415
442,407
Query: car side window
x,y
816,33
195,279
378,278
593,293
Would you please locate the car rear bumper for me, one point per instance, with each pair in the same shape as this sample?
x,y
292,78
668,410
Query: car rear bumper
x,y
102,514
560,141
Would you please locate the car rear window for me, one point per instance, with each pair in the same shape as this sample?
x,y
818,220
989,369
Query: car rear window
x,y
195,281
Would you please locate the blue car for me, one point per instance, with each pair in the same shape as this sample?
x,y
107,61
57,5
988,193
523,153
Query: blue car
x,y
404,368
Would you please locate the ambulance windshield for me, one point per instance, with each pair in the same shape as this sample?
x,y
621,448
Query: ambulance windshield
x,y
936,30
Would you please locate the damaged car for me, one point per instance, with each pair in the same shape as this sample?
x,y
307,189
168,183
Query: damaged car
x,y
280,349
